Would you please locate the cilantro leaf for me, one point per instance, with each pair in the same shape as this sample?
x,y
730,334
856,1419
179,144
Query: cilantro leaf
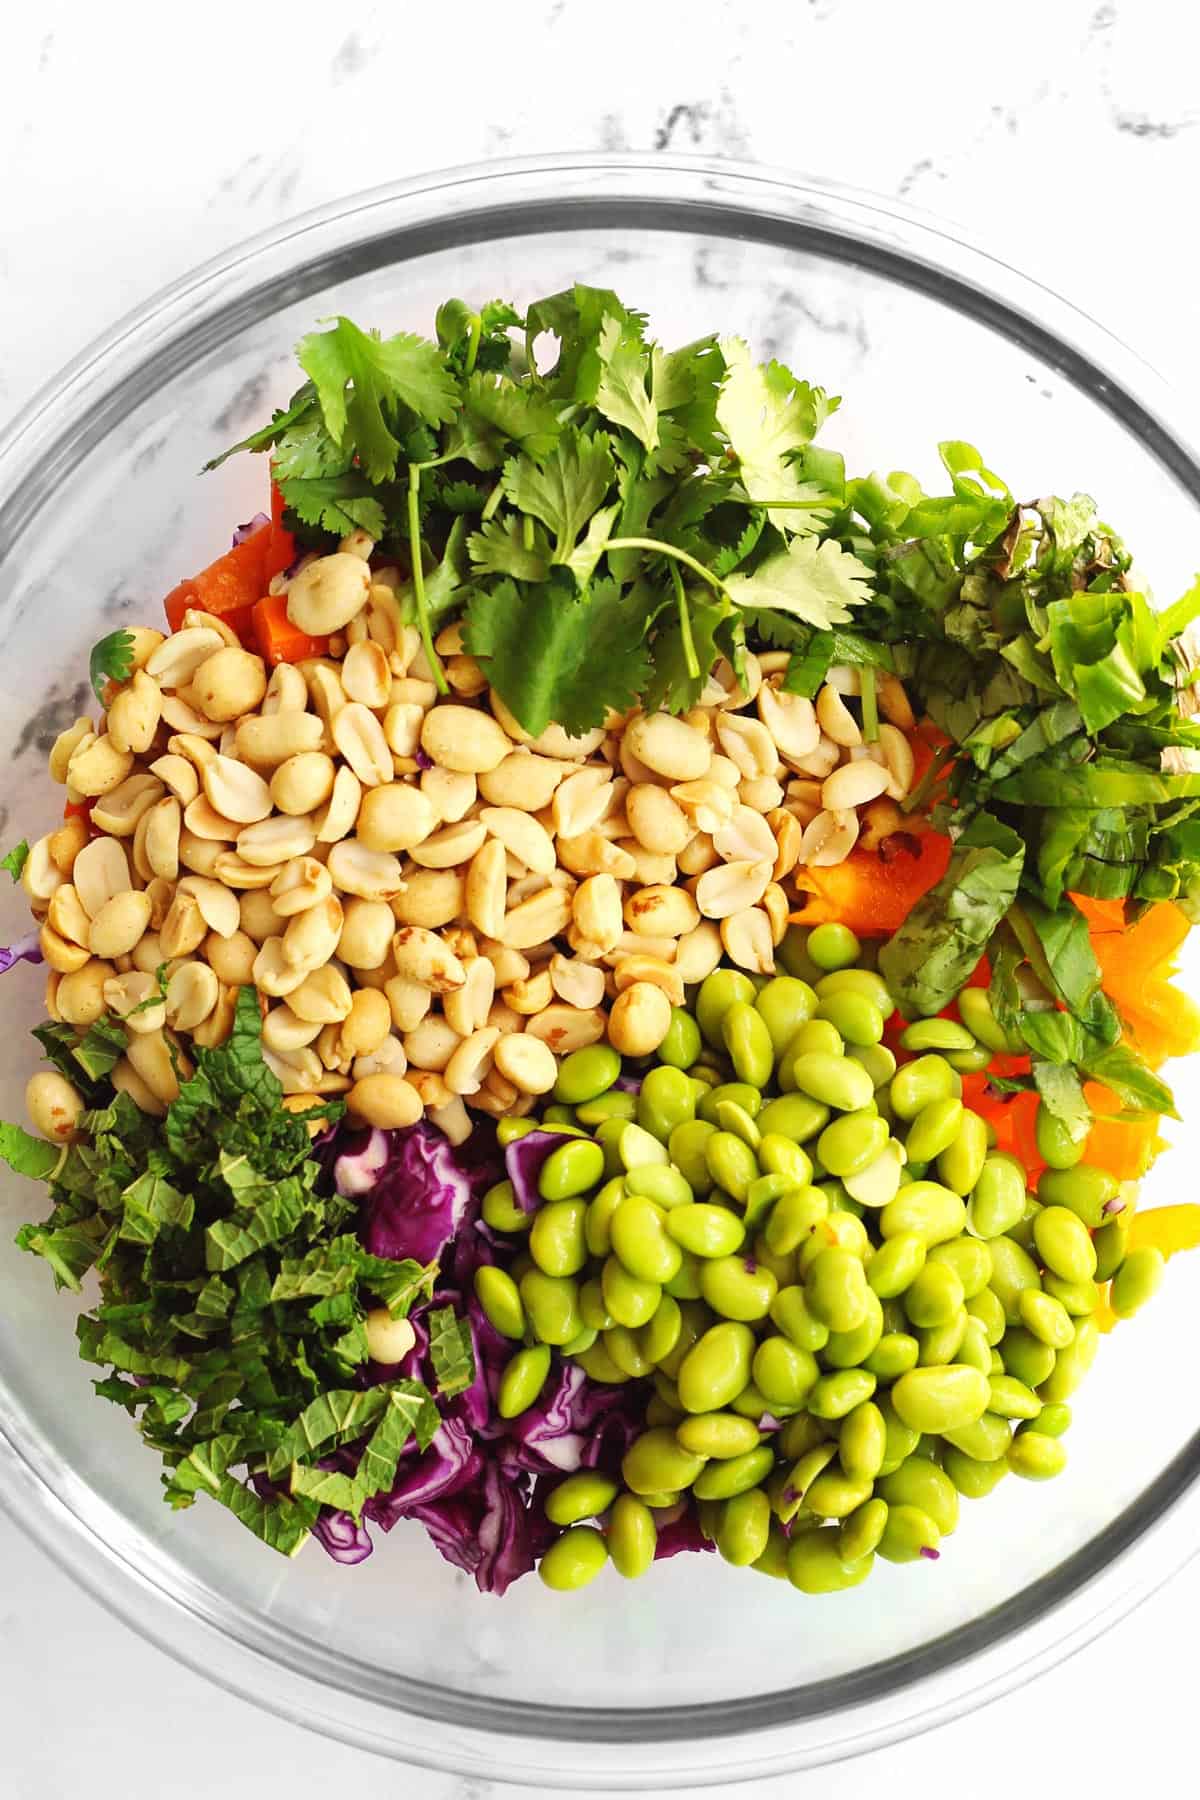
x,y
16,859
451,1351
111,660
768,417
362,379
503,546
813,579
551,655
565,489
496,412
622,394
337,503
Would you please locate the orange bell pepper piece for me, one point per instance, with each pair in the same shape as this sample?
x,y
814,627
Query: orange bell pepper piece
x,y
872,894
231,587
276,638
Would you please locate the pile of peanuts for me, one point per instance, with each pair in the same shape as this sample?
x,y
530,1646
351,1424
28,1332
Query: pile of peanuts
x,y
432,904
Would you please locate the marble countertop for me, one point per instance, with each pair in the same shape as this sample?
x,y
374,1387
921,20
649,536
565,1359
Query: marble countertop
x,y
1064,136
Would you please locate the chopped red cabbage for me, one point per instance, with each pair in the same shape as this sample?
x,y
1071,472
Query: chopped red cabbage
x,y
26,949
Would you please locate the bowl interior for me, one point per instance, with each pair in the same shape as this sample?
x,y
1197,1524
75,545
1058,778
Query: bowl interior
x,y
123,518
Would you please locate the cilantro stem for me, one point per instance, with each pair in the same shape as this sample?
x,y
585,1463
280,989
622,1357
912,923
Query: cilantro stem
x,y
418,578
660,549
685,625
472,343
918,796
870,711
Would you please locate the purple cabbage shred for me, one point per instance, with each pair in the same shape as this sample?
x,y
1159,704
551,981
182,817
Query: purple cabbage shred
x,y
249,528
26,949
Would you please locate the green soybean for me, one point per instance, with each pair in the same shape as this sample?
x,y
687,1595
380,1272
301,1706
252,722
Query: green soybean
x,y
557,1241
986,1307
795,1116
737,1287
1027,1358
661,1183
1036,1457
501,1212
1136,1281
686,1150
592,1309
998,1199
734,1118
1055,1144
919,1482
934,1297
624,1347
850,1143
934,1212
861,1531
1053,1420
705,1230
1013,1271
960,1164
934,1129
857,1019
694,1319
597,1228
751,1403
636,1147
717,993
974,1480
656,1461
917,1084
986,1439
774,1559
793,1217
722,1479
833,1080
682,1044
522,1379
971,1261
784,1005
685,1283
791,1312
500,1299
640,1240
584,1074
666,1100
816,1565
731,1163
1046,1317
896,1264
551,1305
862,1442
631,1299
835,1395
908,1534
936,1034
719,1435
509,1130
716,1368
1078,1298
597,1363
632,1536
1072,1364
574,1168
833,947
574,1559
877,1060
608,1134
940,1344
748,1043
975,1011
836,1289
1112,1242
902,1440
895,1354
615,1104
974,1349
783,1373
857,981
744,1527
1012,1399
834,1495
582,1496
778,1155
660,1334
941,1399
1085,1190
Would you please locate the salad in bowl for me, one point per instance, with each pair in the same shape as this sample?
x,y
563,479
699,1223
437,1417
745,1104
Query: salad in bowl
x,y
606,978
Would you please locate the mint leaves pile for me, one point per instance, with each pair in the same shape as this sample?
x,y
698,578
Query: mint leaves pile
x,y
233,1289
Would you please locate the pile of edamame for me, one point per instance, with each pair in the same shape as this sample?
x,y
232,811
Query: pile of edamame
x,y
846,1307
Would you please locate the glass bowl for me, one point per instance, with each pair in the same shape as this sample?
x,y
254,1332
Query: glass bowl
x,y
697,1674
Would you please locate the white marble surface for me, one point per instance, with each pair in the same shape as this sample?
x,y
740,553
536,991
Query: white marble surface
x,y
140,139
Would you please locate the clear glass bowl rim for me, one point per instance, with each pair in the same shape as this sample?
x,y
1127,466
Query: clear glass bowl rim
x,y
765,1734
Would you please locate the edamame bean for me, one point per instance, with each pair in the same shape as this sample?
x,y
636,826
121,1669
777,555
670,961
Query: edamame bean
x,y
795,1116
934,1297
974,1349
717,993
1078,1298
1012,1399
737,1287
632,1536
1036,1457
841,1229
731,1164
934,1212
857,981
686,1146
998,1199
501,1212
1026,1358
934,1129
896,1264
936,1034
751,1403
833,1080
737,1093
557,1242
895,1354
574,1559
667,1395
608,1134
657,1461
1013,1271
582,1496
940,1344
1111,1242
1052,1421
1072,1364
783,1373
921,1483
985,1440
685,1283
833,947
793,1217
816,1566
1137,1280
682,1044
666,1100
908,1534
734,1118
640,1241
721,1480
660,1183
836,1289
878,1061
847,1349
636,1147
774,1559
574,1168
784,1005
834,1495
862,1442
705,1230
597,1228
522,1380
631,1299
719,1435
917,1084
562,1117
599,1365
985,1307
615,1104
975,1011
551,1305
1055,1144
857,1020
960,1164
942,1398
851,1143
860,1532
497,1293
835,1395
659,1335
1085,1190
971,1261
694,1319
778,1155
792,1314
509,1130
625,1350
744,1527
974,1480
1046,1317
1022,1231
748,1043
716,1368
586,1073
592,1309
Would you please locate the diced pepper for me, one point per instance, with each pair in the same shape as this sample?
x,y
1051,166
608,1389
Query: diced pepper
x,y
1166,1228
276,639
229,588
1136,965
1125,1147
281,550
873,892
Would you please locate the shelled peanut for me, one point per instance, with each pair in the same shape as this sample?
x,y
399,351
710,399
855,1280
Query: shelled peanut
x,y
433,905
